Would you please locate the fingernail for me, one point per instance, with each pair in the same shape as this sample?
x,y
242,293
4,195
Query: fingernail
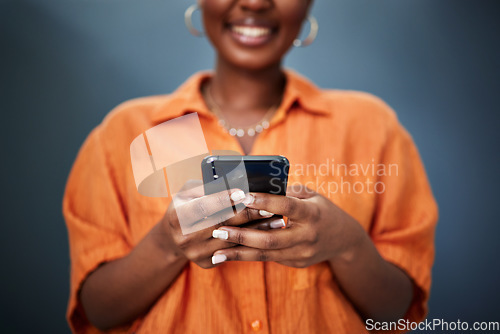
x,y
218,258
237,196
218,234
265,213
249,199
277,223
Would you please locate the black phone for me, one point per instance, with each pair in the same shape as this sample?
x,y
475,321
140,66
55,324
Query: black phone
x,y
250,173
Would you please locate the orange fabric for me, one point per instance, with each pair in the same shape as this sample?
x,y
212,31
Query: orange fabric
x,y
106,216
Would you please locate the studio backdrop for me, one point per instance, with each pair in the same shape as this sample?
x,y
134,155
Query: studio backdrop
x,y
65,64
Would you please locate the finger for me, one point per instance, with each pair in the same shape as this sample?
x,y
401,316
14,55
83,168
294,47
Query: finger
x,y
203,252
266,224
212,245
291,207
263,224
217,219
260,225
272,239
199,243
204,229
246,215
242,253
250,218
202,207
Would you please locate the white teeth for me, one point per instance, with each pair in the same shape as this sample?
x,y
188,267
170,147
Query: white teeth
x,y
251,31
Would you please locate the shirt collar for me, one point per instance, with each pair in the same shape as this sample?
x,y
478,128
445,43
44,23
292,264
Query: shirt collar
x,y
188,98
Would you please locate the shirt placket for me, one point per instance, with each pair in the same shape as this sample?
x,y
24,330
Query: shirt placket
x,y
253,298
252,275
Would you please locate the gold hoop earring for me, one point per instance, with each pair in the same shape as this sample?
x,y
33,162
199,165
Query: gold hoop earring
x,y
313,33
188,20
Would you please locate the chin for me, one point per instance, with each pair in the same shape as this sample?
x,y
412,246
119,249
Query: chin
x,y
251,60
255,65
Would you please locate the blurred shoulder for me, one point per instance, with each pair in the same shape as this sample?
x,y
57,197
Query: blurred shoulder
x,y
345,105
124,123
361,117
359,105
135,112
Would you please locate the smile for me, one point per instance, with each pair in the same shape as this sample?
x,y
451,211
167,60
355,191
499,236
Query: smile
x,y
251,35
251,31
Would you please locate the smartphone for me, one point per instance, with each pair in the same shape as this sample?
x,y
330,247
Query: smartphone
x,y
250,173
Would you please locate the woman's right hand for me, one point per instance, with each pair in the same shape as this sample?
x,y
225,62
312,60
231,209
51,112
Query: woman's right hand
x,y
192,217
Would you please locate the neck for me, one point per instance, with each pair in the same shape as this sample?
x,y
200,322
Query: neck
x,y
241,90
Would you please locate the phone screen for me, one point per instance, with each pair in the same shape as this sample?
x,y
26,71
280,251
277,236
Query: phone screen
x,y
264,174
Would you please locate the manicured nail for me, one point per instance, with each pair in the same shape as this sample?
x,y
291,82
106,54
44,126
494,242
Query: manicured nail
x,y
237,196
218,258
249,199
218,234
277,223
265,213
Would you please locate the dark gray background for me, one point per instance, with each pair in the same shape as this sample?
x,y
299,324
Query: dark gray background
x,y
65,64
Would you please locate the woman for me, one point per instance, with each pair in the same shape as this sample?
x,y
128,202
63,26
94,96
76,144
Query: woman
x,y
347,255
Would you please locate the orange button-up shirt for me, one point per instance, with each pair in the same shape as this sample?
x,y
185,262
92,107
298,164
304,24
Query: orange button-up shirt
x,y
348,146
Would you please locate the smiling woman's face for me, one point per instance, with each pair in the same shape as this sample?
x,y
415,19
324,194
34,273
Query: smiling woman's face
x,y
253,34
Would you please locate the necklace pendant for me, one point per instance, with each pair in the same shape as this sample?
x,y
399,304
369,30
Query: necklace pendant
x,y
240,132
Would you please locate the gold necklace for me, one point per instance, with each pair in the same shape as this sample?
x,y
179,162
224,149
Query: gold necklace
x,y
238,131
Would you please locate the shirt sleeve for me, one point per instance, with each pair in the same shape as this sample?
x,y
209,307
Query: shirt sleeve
x,y
406,216
96,222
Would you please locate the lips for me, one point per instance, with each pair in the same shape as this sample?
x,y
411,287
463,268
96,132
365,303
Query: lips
x,y
251,31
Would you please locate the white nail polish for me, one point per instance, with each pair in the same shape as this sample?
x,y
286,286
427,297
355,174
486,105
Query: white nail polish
x,y
277,223
219,258
218,234
265,213
249,199
237,196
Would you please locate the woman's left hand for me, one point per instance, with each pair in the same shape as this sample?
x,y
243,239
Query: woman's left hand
x,y
317,231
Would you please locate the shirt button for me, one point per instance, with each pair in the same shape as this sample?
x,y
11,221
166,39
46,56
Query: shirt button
x,y
256,325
